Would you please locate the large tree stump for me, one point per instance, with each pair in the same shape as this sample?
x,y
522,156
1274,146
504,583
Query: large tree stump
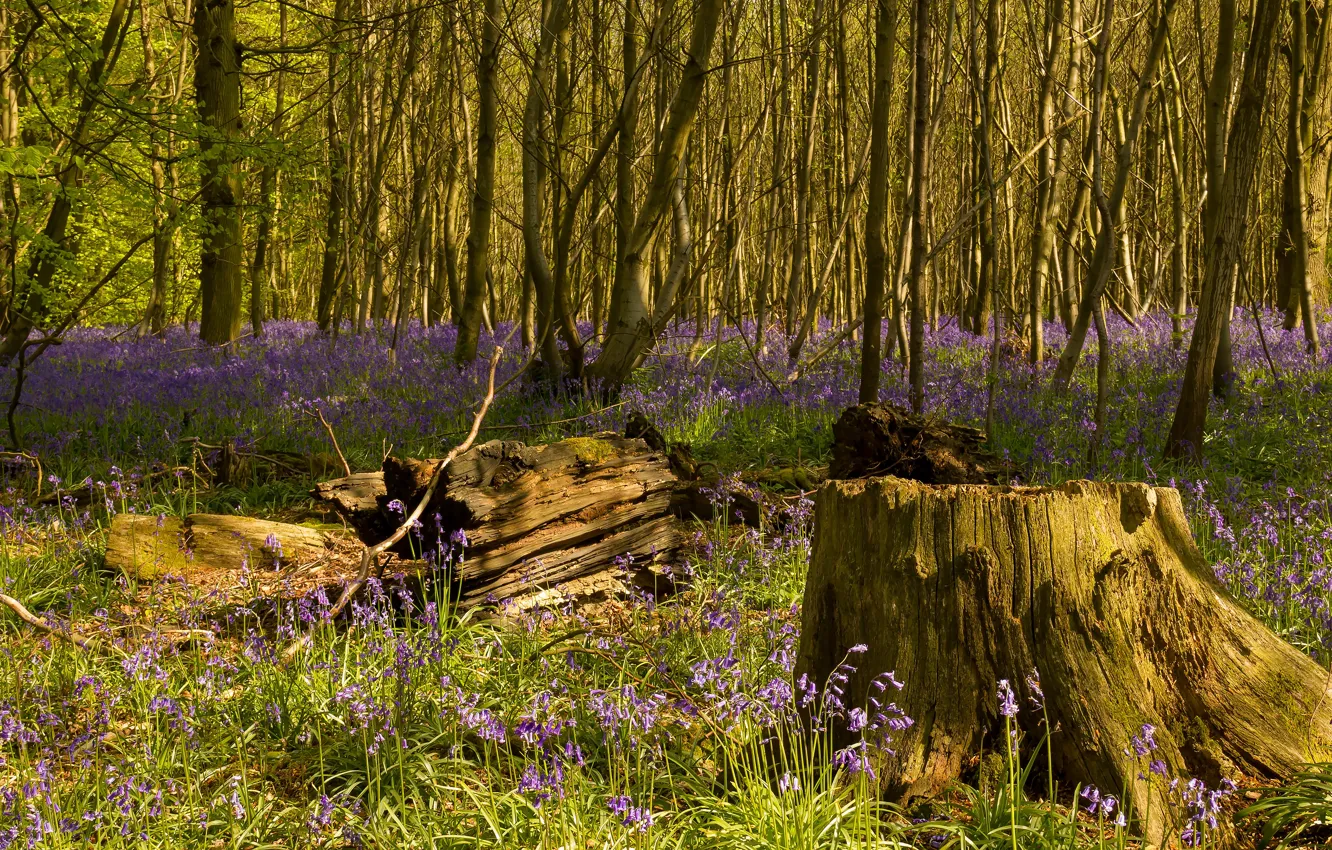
x,y
1099,587
538,518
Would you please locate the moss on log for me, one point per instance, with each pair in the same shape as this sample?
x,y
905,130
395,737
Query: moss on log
x,y
1100,587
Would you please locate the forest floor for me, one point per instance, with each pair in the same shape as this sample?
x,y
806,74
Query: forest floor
x,y
652,726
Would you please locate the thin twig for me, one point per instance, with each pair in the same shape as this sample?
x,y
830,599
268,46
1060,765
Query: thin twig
x,y
346,467
547,423
841,337
370,555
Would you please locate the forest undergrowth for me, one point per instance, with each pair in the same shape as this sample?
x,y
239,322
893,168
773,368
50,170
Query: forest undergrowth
x,y
664,722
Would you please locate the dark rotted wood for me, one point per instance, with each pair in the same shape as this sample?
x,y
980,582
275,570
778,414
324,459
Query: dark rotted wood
x,y
880,439
699,500
1100,588
357,497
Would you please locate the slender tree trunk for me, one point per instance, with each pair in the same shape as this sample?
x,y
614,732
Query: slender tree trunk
x,y
919,165
534,146
164,203
259,266
483,195
32,304
222,260
1226,237
983,140
632,325
1174,121
337,172
876,210
1098,274
1048,187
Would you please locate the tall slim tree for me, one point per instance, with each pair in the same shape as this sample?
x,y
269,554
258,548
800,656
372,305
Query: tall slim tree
x,y
920,159
483,193
1226,236
218,89
54,246
633,321
876,209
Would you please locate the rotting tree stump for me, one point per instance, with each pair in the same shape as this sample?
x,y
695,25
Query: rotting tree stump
x,y
1099,587
880,439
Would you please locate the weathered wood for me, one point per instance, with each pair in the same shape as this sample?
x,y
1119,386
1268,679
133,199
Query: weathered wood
x,y
213,552
146,547
1100,588
357,498
541,522
880,439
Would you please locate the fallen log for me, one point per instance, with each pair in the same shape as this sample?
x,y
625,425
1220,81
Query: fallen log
x,y
228,556
535,518
1099,587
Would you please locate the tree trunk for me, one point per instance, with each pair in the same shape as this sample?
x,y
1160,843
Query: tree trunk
x,y
533,179
919,164
1293,246
876,211
31,306
1102,264
222,260
630,330
1048,183
1099,589
337,175
1225,239
164,202
483,195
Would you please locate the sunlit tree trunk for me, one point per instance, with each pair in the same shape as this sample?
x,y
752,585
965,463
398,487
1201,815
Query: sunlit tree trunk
x,y
631,328
876,209
1225,238
483,194
217,83
919,164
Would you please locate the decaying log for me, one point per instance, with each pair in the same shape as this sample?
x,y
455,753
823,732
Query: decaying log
x,y
1099,587
880,439
229,555
537,517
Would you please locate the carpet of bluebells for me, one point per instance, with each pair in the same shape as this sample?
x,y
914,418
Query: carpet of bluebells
x,y
660,723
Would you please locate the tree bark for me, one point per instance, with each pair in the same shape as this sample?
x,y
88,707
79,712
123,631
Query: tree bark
x,y
919,163
630,330
876,209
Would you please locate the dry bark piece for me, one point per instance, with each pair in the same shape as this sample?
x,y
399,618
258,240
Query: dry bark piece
x,y
1098,586
880,439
